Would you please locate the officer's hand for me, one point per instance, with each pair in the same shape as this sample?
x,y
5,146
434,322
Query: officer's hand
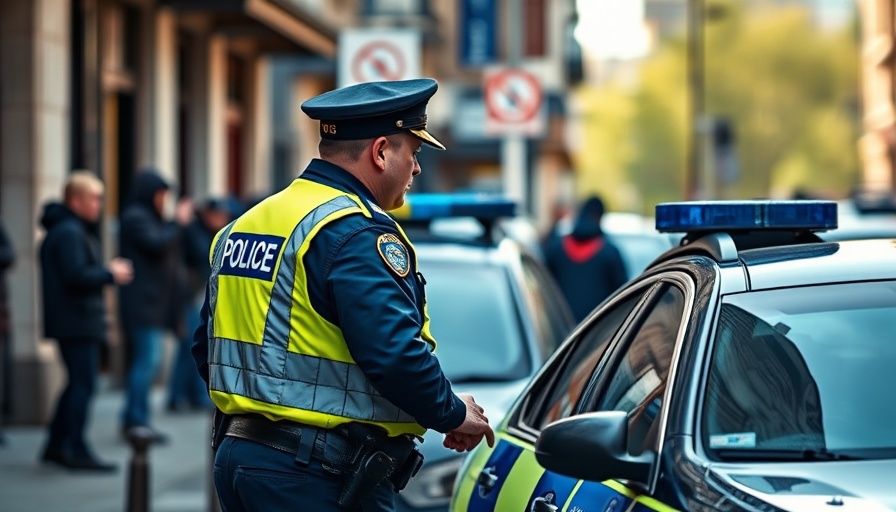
x,y
460,442
471,431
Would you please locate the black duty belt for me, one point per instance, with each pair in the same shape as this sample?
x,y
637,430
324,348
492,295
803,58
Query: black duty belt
x,y
363,454
304,441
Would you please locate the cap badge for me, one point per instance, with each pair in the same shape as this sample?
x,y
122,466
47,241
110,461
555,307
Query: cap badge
x,y
394,253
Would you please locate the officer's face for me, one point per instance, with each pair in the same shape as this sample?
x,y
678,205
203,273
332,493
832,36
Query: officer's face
x,y
401,167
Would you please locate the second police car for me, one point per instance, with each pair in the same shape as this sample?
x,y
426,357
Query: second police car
x,y
495,311
751,368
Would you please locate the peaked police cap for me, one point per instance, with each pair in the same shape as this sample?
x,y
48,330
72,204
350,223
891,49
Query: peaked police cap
x,y
374,109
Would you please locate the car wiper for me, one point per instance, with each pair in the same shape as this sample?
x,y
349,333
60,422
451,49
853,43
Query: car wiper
x,y
783,455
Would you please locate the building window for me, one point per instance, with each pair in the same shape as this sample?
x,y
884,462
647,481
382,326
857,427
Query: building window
x,y
236,72
394,7
534,15
131,38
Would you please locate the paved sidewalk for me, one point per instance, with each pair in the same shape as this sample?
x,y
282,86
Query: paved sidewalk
x,y
179,470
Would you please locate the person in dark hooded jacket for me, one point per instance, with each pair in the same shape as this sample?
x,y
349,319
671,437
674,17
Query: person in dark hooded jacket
x,y
151,241
7,259
186,389
584,263
72,278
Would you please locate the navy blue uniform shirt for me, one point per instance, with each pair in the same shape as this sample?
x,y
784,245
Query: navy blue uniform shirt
x,y
379,313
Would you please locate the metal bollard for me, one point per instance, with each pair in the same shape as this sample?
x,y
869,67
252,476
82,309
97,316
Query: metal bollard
x,y
140,439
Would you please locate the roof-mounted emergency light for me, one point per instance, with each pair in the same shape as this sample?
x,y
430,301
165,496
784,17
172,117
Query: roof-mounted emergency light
x,y
422,207
704,216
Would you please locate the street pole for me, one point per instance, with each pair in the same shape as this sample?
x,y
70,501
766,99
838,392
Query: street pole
x,y
695,188
514,178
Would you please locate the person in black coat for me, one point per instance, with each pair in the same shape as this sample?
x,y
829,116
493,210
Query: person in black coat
x,y
584,263
148,304
186,389
72,278
7,258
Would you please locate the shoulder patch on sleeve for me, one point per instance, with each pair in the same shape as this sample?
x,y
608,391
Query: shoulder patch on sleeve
x,y
394,253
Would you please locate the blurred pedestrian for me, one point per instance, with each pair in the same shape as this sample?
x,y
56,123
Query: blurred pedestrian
x,y
7,258
186,389
151,241
584,263
74,311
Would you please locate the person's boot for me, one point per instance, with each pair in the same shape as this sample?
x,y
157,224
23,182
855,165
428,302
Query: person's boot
x,y
90,463
54,455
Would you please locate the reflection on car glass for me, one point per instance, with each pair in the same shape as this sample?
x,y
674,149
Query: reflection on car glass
x,y
752,363
639,391
806,368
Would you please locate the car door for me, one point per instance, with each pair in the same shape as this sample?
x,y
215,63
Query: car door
x,y
508,476
635,380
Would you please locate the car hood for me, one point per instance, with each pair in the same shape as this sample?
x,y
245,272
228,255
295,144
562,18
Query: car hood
x,y
495,398
843,486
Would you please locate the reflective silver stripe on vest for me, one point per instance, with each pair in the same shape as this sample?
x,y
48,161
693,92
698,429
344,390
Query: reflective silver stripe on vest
x,y
315,384
217,262
270,373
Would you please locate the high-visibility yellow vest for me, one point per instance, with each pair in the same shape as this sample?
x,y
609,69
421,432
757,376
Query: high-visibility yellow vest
x,y
270,352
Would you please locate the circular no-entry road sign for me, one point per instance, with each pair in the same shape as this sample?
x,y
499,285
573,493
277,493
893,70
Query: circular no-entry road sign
x,y
378,61
512,96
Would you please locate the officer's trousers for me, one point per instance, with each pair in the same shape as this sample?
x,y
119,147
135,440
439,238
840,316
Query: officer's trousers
x,y
251,477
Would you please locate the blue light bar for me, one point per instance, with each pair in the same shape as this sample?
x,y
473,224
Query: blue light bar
x,y
431,206
746,216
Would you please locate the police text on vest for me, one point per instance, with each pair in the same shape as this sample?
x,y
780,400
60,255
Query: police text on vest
x,y
251,255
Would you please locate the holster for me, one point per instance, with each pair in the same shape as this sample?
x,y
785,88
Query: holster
x,y
220,422
376,458
372,469
403,473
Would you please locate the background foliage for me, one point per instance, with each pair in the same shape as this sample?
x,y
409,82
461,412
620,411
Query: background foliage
x,y
789,89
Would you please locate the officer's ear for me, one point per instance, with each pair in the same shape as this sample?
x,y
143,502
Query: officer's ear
x,y
378,152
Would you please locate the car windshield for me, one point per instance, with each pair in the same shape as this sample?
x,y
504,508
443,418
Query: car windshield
x,y
476,322
805,370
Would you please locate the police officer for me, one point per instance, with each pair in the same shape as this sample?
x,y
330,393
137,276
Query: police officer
x,y
315,339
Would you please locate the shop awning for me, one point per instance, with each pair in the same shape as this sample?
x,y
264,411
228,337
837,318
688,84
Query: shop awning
x,y
274,25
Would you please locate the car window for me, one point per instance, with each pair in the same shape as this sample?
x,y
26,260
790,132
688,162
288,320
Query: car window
x,y
551,315
825,353
639,375
558,395
475,320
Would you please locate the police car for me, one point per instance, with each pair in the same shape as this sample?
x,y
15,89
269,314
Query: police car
x,y
495,311
750,368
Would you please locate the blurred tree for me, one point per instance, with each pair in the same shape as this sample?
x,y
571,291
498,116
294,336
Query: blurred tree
x,y
789,89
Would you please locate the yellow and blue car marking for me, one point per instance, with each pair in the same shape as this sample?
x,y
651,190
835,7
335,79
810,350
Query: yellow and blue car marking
x,y
521,480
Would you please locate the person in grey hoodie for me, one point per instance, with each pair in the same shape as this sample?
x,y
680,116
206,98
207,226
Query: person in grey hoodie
x,y
73,276
148,304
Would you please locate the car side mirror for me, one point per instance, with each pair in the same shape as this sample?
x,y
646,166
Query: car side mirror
x,y
592,446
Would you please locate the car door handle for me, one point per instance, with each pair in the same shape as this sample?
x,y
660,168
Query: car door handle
x,y
487,479
543,505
